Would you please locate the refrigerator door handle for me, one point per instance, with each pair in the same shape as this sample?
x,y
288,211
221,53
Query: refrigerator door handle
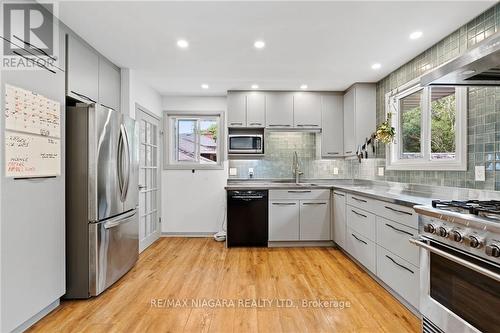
x,y
129,162
123,175
116,221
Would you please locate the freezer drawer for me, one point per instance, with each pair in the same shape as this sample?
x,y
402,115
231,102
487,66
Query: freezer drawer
x,y
114,249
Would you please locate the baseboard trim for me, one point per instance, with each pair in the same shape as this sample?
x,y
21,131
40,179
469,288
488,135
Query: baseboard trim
x,y
300,244
188,234
30,322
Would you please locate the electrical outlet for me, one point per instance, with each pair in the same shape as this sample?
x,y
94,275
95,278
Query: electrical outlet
x,y
233,171
381,171
250,172
480,174
335,171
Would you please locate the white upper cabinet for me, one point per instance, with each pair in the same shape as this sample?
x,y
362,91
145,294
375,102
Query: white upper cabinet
x,y
306,110
109,85
332,134
82,65
359,116
236,109
279,110
256,109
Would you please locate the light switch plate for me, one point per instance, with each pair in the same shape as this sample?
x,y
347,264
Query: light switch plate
x,y
480,174
381,171
335,171
233,171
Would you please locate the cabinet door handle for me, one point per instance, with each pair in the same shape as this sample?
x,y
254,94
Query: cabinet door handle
x,y
299,191
399,230
236,123
359,214
398,264
398,211
333,153
284,203
252,124
339,194
278,125
359,240
83,96
314,203
307,125
360,200
348,152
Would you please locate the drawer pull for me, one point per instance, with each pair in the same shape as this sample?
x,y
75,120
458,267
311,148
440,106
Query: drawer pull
x,y
398,211
359,240
399,230
314,203
307,125
360,200
236,123
300,191
278,125
339,194
284,203
359,214
252,124
398,264
333,153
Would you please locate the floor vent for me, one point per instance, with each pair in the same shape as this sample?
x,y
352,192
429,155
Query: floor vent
x,y
429,327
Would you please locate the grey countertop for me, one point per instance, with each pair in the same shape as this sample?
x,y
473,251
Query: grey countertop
x,y
399,193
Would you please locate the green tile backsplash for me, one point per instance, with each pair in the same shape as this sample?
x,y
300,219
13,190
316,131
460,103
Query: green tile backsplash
x,y
483,132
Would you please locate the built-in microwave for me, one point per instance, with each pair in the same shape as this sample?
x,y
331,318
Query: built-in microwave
x,y
246,144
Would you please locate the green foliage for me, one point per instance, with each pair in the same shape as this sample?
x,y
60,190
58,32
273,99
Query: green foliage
x,y
385,132
212,130
411,121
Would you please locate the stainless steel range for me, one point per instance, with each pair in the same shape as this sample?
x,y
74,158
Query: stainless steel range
x,y
460,266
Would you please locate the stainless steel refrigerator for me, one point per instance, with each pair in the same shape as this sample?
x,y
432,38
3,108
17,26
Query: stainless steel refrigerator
x,y
102,161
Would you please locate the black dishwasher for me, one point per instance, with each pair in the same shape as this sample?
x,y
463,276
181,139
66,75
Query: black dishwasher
x,y
247,218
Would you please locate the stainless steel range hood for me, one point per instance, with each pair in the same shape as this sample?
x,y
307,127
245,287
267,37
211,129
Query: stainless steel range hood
x,y
479,66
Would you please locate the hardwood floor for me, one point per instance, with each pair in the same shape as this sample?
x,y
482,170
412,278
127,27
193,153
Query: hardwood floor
x,y
200,269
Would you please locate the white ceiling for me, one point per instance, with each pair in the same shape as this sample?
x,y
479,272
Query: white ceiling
x,y
326,45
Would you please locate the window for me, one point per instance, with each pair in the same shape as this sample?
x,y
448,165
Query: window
x,y
431,125
194,140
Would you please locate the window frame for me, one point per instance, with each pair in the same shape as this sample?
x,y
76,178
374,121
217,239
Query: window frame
x,y
170,120
393,153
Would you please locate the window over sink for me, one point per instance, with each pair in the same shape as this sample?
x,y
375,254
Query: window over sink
x,y
431,127
194,140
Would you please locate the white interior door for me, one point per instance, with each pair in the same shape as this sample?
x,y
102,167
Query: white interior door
x,y
149,178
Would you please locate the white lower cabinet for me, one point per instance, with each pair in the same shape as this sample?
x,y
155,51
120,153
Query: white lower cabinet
x,y
284,220
398,274
378,237
299,215
339,218
361,248
314,220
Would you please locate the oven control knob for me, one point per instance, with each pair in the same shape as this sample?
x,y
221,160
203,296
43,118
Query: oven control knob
x,y
493,250
476,241
430,228
443,231
456,235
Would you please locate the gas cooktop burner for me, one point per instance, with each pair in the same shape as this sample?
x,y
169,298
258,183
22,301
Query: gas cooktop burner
x,y
486,208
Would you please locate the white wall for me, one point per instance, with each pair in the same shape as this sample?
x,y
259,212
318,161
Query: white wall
x,y
193,203
135,91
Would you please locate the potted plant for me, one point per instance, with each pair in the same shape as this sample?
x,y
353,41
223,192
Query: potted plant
x,y
385,132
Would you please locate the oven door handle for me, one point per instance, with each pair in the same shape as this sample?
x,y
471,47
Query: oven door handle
x,y
421,243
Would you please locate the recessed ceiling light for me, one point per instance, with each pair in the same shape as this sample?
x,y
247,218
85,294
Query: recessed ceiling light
x,y
304,86
259,44
416,35
376,66
255,86
182,43
204,86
